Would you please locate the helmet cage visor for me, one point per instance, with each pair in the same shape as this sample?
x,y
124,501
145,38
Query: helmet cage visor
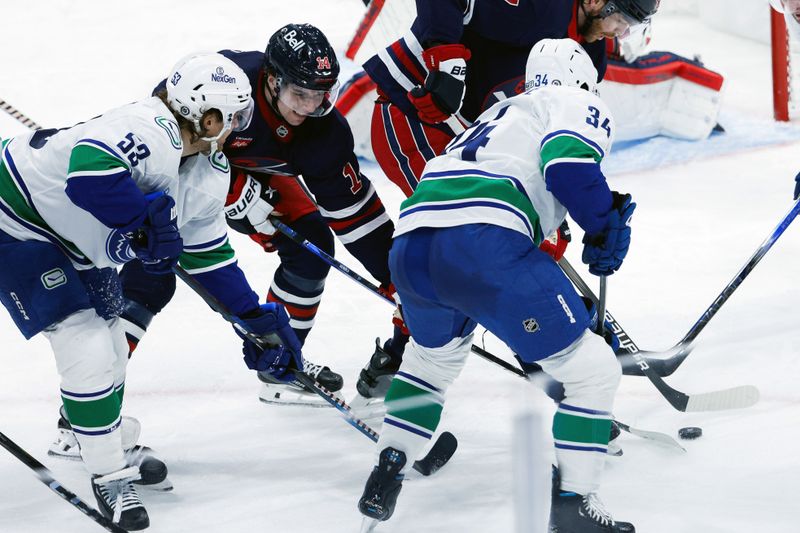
x,y
612,8
307,102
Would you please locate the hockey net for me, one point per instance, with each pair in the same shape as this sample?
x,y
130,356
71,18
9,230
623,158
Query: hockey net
x,y
756,20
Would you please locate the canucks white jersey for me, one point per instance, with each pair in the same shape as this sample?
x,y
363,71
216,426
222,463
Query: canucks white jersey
x,y
496,171
140,140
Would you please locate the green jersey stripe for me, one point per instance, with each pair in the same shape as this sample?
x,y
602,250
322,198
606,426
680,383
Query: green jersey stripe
x,y
87,158
567,147
209,259
15,200
455,189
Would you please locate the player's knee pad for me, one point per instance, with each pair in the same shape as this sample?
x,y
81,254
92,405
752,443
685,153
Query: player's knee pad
x,y
589,371
84,351
437,366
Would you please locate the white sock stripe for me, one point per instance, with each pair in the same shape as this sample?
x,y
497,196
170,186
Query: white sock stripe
x,y
366,229
293,298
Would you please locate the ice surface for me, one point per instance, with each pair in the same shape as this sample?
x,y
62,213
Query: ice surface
x,y
241,466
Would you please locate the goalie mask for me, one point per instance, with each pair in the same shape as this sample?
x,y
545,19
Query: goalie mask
x,y
201,82
560,62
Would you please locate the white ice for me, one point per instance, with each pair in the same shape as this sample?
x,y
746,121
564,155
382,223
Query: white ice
x,y
241,466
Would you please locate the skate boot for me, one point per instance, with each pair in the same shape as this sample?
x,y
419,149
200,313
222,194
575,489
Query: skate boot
x,y
294,392
613,446
153,471
383,486
375,378
576,513
118,500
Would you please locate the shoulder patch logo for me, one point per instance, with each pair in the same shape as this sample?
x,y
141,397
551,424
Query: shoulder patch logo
x,y
54,278
219,161
173,131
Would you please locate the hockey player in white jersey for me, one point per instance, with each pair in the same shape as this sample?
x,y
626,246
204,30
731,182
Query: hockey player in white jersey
x,y
142,181
466,252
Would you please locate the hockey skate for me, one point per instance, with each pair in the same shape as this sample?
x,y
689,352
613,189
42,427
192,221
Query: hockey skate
x,y
118,500
383,486
294,392
576,513
153,472
614,448
375,378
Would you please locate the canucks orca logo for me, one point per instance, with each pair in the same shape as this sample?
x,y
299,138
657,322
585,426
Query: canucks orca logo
x,y
118,248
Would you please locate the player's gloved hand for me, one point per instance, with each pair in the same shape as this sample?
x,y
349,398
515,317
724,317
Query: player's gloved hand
x,y
797,186
158,242
278,360
443,91
594,325
556,244
397,316
250,204
605,251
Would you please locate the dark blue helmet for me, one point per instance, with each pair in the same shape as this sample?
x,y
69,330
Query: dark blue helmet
x,y
301,54
637,11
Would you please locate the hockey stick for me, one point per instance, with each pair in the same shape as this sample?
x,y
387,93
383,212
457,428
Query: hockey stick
x,y
734,398
17,114
439,454
296,237
338,265
46,477
666,362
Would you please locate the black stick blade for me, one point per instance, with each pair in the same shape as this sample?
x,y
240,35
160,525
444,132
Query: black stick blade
x,y
441,452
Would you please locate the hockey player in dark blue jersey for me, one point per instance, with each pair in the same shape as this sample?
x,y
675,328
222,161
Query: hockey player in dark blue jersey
x,y
442,72
295,131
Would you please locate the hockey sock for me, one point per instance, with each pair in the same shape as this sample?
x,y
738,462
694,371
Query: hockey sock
x,y
300,297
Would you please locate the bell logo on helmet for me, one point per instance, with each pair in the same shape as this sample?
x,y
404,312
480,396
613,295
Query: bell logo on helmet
x,y
220,71
294,43
185,110
323,63
175,78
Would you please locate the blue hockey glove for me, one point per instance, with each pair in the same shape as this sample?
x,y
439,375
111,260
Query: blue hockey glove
x,y
277,360
608,332
158,243
797,186
605,251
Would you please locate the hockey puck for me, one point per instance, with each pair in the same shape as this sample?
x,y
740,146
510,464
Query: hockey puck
x,y
690,433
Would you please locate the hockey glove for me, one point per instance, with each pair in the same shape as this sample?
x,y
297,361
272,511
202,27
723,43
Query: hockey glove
x,y
278,360
608,329
797,186
158,243
443,91
556,244
249,206
605,251
397,316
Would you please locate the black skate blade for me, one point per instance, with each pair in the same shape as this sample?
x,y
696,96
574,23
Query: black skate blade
x,y
441,452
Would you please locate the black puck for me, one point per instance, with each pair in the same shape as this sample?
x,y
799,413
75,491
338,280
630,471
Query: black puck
x,y
690,433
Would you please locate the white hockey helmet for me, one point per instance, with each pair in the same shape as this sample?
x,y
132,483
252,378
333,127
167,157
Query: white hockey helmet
x,y
560,62
201,82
